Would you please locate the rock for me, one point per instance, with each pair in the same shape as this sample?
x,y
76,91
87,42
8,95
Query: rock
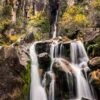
x,y
23,54
63,72
95,81
91,34
60,38
44,61
62,65
83,98
43,47
95,77
94,63
10,74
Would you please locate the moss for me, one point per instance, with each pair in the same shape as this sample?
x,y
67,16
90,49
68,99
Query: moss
x,y
26,78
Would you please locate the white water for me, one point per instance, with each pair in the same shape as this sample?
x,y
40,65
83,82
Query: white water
x,y
53,51
37,92
79,60
55,26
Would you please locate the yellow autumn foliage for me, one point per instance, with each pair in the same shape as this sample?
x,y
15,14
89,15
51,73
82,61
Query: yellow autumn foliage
x,y
74,15
81,19
13,37
66,18
72,10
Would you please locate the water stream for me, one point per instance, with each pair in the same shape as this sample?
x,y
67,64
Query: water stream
x,y
37,92
55,26
79,61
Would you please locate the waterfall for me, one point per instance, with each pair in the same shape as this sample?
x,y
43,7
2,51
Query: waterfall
x,y
55,26
77,81
37,92
53,51
78,53
79,60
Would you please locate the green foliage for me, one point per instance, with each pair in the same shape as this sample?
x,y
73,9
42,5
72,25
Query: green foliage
x,y
40,21
3,23
92,46
6,11
26,79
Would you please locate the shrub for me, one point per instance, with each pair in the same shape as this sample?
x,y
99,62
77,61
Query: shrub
x,y
81,20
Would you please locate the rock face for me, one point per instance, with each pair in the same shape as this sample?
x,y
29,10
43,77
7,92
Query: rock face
x,y
91,34
94,63
95,80
10,74
44,61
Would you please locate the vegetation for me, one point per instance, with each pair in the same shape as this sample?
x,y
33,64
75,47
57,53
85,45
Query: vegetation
x,y
19,18
73,19
26,79
39,24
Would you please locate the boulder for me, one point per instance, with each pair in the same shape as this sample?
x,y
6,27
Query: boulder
x,y
95,81
94,63
63,72
10,74
62,65
91,34
44,61
95,77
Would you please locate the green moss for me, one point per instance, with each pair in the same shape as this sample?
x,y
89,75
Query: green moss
x,y
26,79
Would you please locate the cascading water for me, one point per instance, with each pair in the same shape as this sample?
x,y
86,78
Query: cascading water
x,y
79,60
53,51
54,54
37,92
78,63
55,26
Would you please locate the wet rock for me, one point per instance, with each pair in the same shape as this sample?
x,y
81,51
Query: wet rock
x,y
95,77
95,81
94,63
10,74
84,98
62,65
43,47
44,61
63,72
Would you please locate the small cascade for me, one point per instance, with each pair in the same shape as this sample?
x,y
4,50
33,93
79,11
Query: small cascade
x,y
53,51
78,53
37,92
79,60
61,50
